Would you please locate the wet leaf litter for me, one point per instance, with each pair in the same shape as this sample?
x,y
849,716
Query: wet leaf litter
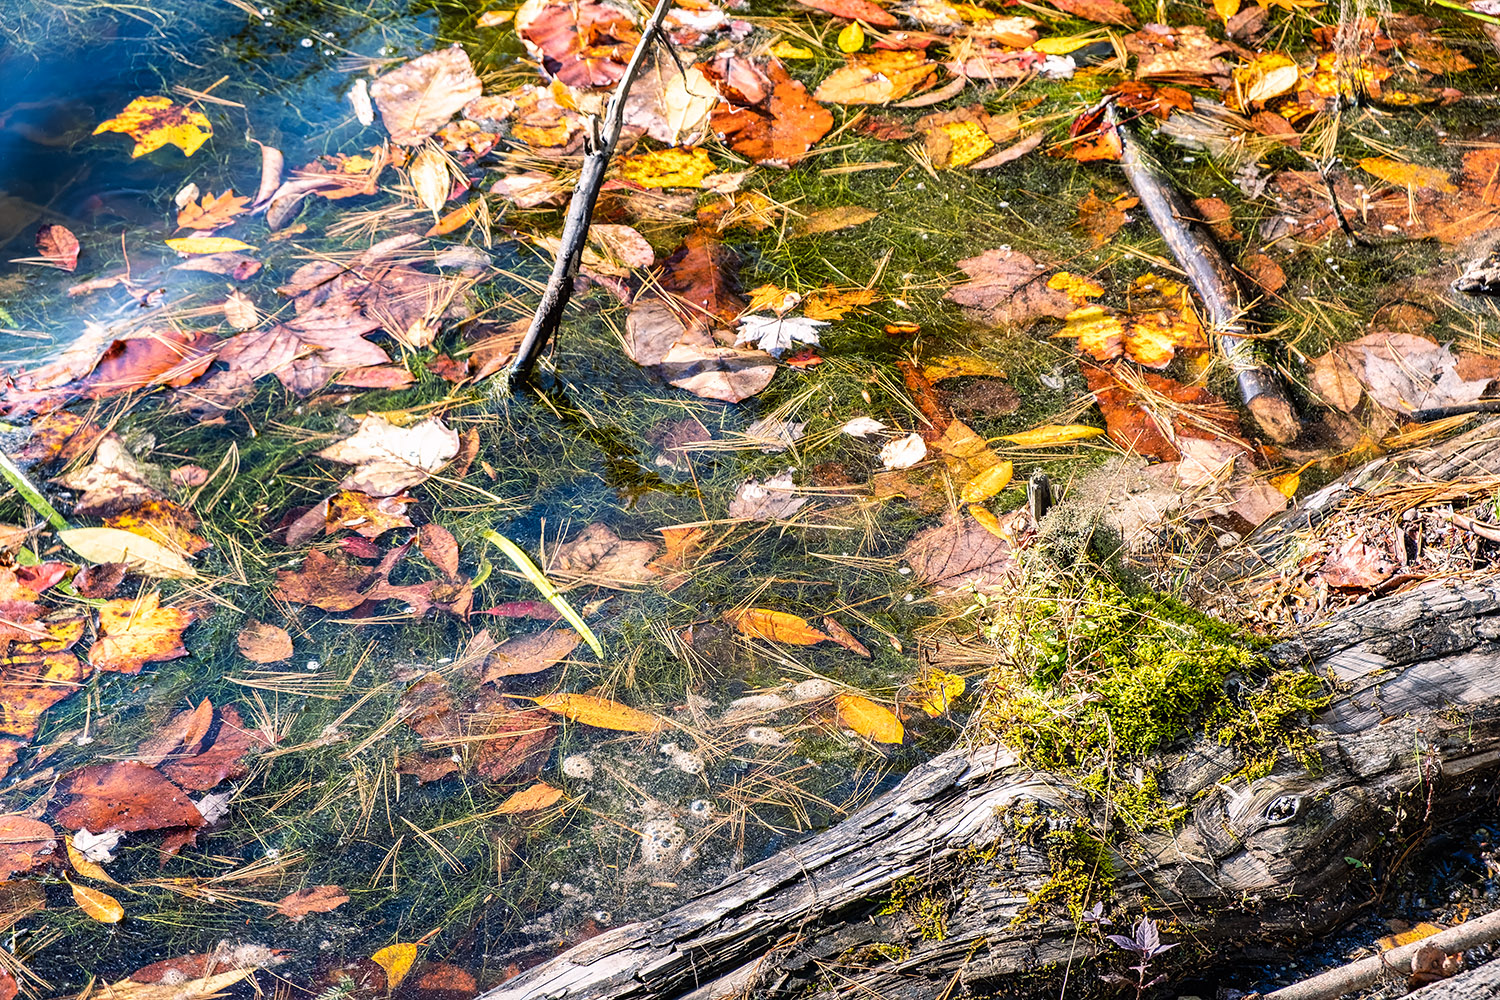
x,y
732,518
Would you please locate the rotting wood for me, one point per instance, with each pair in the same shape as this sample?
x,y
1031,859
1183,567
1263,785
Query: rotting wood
x,y
601,143
1479,983
1195,251
1262,862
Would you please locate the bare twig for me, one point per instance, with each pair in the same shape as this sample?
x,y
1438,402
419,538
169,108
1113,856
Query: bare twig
x,y
600,146
1199,256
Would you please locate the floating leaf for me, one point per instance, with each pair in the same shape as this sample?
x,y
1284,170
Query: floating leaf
x,y
100,906
429,177
153,122
1048,435
396,960
25,843
778,626
667,168
987,483
601,713
212,212
207,244
114,545
1408,175
852,38
531,799
539,580
877,77
133,633
872,721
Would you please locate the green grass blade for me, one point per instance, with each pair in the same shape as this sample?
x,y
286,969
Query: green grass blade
x,y
539,580
30,493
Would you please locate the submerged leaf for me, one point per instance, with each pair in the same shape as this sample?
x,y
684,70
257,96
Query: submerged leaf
x,y
872,721
114,545
531,799
778,626
601,713
97,905
153,122
396,960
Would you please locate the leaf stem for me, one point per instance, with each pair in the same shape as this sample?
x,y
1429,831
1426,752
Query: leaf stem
x,y
539,580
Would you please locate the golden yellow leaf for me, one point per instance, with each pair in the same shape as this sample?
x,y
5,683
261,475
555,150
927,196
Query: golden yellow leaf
x,y
833,303
988,521
958,366
100,906
1226,8
212,212
153,122
852,38
876,77
778,626
107,545
667,168
1408,175
1062,46
772,298
970,142
85,867
600,713
1287,483
530,799
1075,286
987,483
1048,435
208,244
872,721
786,50
1420,932
396,960
936,690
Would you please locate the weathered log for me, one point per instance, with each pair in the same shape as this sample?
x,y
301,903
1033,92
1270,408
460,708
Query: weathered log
x,y
952,879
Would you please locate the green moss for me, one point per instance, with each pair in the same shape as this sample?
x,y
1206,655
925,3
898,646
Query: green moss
x,y
921,904
1082,872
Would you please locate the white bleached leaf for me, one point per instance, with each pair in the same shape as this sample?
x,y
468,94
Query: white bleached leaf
x,y
359,96
773,434
775,334
97,847
863,427
389,459
903,453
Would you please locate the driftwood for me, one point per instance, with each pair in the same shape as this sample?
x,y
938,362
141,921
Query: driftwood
x,y
1413,734
1210,274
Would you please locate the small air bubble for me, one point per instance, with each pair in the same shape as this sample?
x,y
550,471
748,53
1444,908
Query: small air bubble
x,y
306,43
904,571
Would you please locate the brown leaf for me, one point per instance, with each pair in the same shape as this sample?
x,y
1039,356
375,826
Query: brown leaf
x,y
426,768
133,633
1102,11
780,132
420,96
583,44
1331,378
831,220
440,547
597,556
961,552
1008,288
328,582
427,707
530,654
126,796
183,734
222,760
1404,372
1358,564
516,744
1264,271
702,273
114,481
25,843
844,637
58,246
317,899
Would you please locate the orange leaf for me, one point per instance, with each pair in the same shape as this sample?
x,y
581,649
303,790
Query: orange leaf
x,y
153,122
778,626
531,799
212,212
868,719
100,906
600,713
136,632
396,960
85,867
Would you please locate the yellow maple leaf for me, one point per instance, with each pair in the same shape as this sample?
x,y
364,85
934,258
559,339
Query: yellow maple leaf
x,y
154,122
211,212
970,142
668,168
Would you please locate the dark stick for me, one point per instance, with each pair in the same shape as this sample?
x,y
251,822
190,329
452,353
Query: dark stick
x,y
1210,274
600,147
1456,409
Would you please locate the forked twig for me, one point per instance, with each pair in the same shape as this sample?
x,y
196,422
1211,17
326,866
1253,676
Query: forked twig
x,y
600,147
